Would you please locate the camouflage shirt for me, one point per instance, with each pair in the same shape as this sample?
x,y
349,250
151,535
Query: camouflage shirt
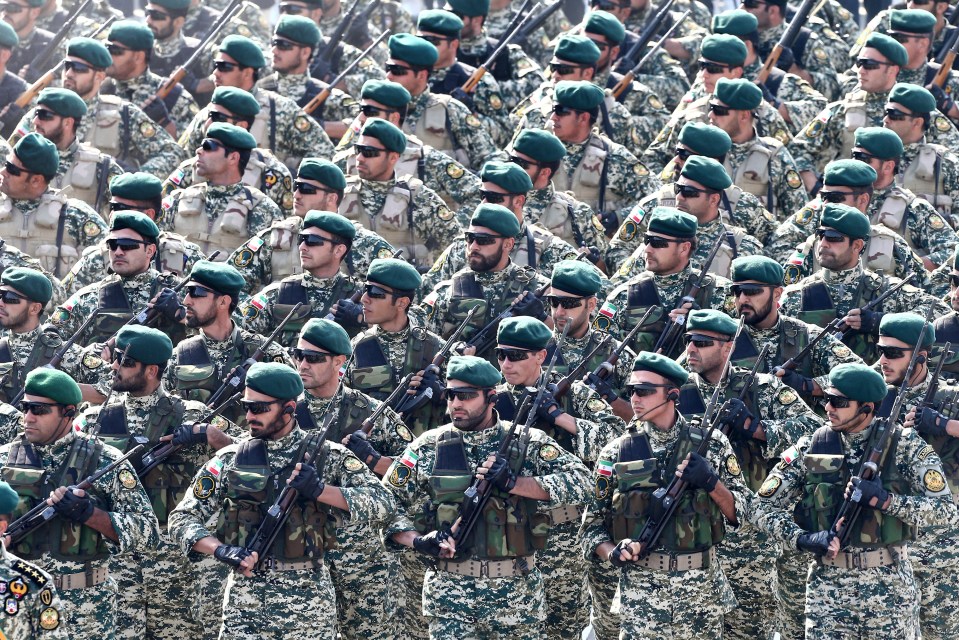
x,y
389,435
97,186
784,192
38,613
647,109
819,58
526,74
487,98
579,226
85,368
138,90
339,106
801,100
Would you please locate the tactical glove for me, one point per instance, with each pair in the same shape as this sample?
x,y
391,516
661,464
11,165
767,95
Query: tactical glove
x,y
185,437
348,313
465,98
307,482
530,305
815,543
168,304
501,476
931,422
73,507
429,544
362,449
231,554
699,473
865,490
797,381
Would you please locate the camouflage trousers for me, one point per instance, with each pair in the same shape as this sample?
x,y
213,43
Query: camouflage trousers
x,y
209,585
789,585
749,560
938,601
415,624
484,630
92,612
603,579
564,581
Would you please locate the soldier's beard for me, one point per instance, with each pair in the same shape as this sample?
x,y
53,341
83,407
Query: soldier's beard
x,y
483,264
267,430
754,316
471,421
194,319
136,384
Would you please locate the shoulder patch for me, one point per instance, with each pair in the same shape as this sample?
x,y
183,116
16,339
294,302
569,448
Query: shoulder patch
x,y
942,124
732,465
548,452
243,257
203,487
127,479
399,476
841,351
49,619
444,213
495,101
46,596
454,171
404,433
384,253
602,487
787,396
269,178
302,124
473,121
595,405
793,274
936,222
793,179
640,170
92,361
91,229
770,487
789,455
655,102
147,130
925,452
353,464
933,481
814,128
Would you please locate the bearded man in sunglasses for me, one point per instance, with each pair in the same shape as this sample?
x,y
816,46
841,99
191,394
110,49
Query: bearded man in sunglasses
x,y
33,39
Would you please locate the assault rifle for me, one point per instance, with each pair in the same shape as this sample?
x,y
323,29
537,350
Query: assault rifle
x,y
948,58
607,367
950,42
40,62
929,399
844,333
473,81
320,99
356,295
524,31
629,61
630,75
786,40
320,67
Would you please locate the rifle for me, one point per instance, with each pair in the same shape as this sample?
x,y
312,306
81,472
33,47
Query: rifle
x,y
842,334
786,40
44,513
607,367
41,60
366,427
335,38
524,31
320,98
566,383
356,295
628,77
929,398
953,37
471,83
653,23
524,10
948,58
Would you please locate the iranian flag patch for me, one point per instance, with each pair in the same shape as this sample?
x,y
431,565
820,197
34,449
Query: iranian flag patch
x,y
431,298
255,243
215,466
608,309
789,455
636,215
258,301
604,468
798,257
409,459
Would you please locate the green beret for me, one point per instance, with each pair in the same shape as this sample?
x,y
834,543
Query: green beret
x,y
576,277
136,221
236,101
398,274
911,21
607,25
326,334
880,142
707,172
846,220
246,52
581,95
331,222
37,154
523,332
144,344
469,8
705,139
53,384
232,136
132,34
740,94
711,320
173,5
672,222
735,22
497,218
136,186
274,379
386,132
540,145
906,327
658,363
391,94
849,173
8,37
507,175
8,497
299,29
93,51
218,276
30,282
888,47
413,50
35,3
858,382
917,99
322,171
63,102
439,21
473,371
757,269
724,49
577,49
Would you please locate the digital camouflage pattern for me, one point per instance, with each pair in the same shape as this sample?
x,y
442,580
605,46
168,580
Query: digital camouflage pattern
x,y
648,111
665,76
37,609
785,192
465,130
249,23
85,368
578,227
822,57
488,100
69,159
526,75
801,100
140,89
340,105
11,423
575,349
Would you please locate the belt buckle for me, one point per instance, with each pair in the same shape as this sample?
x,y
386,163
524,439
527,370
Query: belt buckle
x,y
856,559
521,565
484,568
269,564
673,563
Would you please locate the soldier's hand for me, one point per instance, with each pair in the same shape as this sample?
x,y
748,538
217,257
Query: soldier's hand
x,y
239,557
72,503
818,543
167,303
867,492
769,97
497,472
358,34
464,349
306,481
358,443
625,552
157,110
697,471
610,222
601,386
931,422
437,544
348,313
188,435
944,101
464,97
790,377
549,410
742,422
528,304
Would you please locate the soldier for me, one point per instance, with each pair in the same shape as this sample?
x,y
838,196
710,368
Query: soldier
x,y
941,33
112,517
172,47
12,86
458,602
293,571
250,22
908,489
33,39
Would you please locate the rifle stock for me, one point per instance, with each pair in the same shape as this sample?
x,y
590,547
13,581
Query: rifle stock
x,y
320,99
41,60
787,39
473,81
630,75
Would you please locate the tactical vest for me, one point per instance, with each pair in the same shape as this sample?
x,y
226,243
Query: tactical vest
x,y
109,123
530,247
643,294
81,177
923,176
198,377
394,222
225,232
433,129
855,116
722,264
816,307
354,408
466,293
558,219
793,338
892,213
506,408
752,172
12,375
510,526
41,233
264,123
828,473
285,259
947,330
501,67
292,291
115,308
589,178
878,255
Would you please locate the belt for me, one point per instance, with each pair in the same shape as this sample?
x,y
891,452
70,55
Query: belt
x,y
678,561
489,568
272,564
882,557
568,513
90,578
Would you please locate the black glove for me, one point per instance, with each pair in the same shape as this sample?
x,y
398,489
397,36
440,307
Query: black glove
x,y
865,490
593,254
815,543
786,59
231,555
321,70
465,98
362,449
943,101
12,114
699,473
769,97
931,422
307,482
610,222
348,313
870,322
168,304
73,507
184,436
735,413
548,410
358,34
158,112
429,544
529,305
615,556
501,476
797,381
601,386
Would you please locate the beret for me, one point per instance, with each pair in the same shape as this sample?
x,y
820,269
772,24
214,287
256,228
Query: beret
x,y
847,220
232,136
757,269
391,94
473,371
8,499
331,222
413,50
672,222
849,173
53,384
705,139
322,171
35,3
398,274
469,8
276,380
658,363
578,49
724,49
237,101
136,186
246,52
496,217
879,141
136,221
893,51
439,21
38,154
132,34
30,282
219,276
63,102
576,277
858,382
144,344
507,175
911,21
8,37
707,172
740,94
736,22
298,29
173,5
93,51
906,327
328,335
607,25
523,332
913,97
540,145
711,320
386,132
581,95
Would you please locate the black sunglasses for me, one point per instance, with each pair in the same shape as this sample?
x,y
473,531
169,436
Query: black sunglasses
x,y
11,297
862,156
12,8
76,67
749,290
494,197
897,115
117,50
371,111
689,192
127,244
219,116
44,114
683,153
118,355
462,394
292,9
38,408
397,69
644,389
224,66
700,341
954,280
566,302
284,45
524,163
563,69
719,109
482,239
835,197
308,189
436,40
870,65
513,355
14,170
562,110
712,67
375,291
311,356
209,144
198,291
157,16
120,206
257,407
659,242
313,240
838,402
892,353
367,151
831,235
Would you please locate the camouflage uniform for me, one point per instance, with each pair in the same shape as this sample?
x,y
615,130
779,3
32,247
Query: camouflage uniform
x,y
12,257
249,23
85,182
576,349
518,77
647,109
565,217
380,53
763,166
537,45
181,106
819,57
940,187
487,98
36,610
11,423
663,74
689,34
340,106
802,101
880,23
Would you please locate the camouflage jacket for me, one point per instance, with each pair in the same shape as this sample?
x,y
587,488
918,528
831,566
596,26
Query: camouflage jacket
x,y
38,612
138,90
801,100
525,74
579,227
